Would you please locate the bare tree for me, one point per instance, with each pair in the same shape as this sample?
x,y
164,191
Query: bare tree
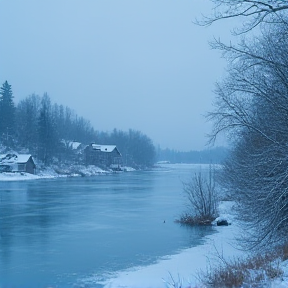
x,y
252,12
252,107
257,71
202,199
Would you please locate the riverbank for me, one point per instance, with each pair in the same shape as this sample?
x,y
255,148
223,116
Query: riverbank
x,y
188,268
184,268
59,171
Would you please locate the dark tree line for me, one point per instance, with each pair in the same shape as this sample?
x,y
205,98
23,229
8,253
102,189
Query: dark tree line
x,y
252,109
46,130
136,148
7,114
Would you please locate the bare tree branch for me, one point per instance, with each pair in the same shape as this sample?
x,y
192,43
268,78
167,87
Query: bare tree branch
x,y
252,107
253,12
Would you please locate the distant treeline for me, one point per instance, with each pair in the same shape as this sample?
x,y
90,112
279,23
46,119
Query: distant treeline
x,y
210,156
45,129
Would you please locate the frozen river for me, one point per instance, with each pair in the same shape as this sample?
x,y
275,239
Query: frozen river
x,y
61,232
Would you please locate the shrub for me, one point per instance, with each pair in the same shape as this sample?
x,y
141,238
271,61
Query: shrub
x,y
202,200
189,219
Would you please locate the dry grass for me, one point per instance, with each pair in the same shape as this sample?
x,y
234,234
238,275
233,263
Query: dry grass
x,y
252,272
191,220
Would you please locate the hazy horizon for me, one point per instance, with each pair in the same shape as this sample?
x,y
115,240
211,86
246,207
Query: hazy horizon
x,y
128,65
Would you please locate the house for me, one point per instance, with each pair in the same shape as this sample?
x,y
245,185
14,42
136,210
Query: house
x,y
103,155
17,163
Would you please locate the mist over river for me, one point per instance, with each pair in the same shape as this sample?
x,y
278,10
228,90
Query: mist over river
x,y
59,232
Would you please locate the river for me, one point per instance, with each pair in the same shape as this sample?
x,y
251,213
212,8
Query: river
x,y
59,232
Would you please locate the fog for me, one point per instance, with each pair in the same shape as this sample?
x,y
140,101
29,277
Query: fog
x,y
125,64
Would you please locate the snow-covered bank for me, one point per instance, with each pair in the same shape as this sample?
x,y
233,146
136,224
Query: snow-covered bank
x,y
10,176
183,269
57,172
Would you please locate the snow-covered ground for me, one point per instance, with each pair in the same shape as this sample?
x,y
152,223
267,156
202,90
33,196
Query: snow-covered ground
x,y
10,176
78,170
183,269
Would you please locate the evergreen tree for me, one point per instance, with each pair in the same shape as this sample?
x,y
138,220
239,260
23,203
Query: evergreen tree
x,y
7,114
27,115
47,133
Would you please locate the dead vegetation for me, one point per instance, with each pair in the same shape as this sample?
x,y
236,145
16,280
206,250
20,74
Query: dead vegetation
x,y
192,220
253,272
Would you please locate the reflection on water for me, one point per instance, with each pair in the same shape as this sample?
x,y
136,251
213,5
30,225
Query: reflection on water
x,y
54,232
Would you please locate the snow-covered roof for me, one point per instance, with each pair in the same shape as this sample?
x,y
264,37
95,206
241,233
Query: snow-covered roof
x,y
103,148
8,159
74,145
23,158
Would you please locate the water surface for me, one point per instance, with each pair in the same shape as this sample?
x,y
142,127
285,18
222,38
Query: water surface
x,y
56,233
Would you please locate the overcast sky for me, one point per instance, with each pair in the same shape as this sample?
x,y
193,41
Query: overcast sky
x,y
139,64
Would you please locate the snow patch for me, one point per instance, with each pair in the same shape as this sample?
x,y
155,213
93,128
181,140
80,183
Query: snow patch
x,y
181,269
283,282
128,169
10,176
226,212
58,171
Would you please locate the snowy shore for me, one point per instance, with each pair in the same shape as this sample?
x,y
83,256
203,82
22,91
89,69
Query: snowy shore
x,y
49,173
183,269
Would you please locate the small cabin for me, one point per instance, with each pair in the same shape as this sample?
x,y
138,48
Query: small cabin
x,y
102,155
17,163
